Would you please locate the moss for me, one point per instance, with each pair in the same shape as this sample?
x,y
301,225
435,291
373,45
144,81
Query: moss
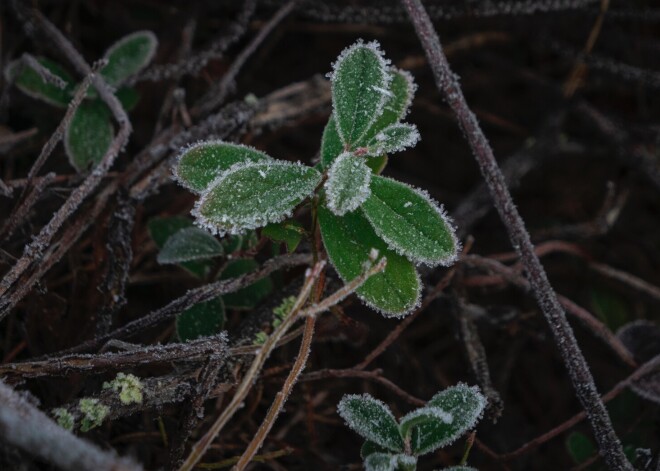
x,y
283,309
64,418
260,338
129,386
93,413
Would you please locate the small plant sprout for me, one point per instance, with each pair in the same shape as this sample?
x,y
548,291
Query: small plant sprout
x,y
393,446
90,131
357,209
128,386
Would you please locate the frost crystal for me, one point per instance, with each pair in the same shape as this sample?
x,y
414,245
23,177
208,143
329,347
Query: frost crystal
x,y
347,186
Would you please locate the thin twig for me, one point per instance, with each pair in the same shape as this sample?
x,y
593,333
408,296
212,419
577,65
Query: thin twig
x,y
609,444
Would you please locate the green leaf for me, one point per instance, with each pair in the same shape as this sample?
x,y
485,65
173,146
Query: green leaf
x,y
377,164
88,135
463,403
128,56
162,228
360,86
347,186
393,138
369,448
410,222
251,195
199,165
406,462
331,145
610,308
423,415
402,89
251,295
291,232
188,244
201,320
380,462
29,81
128,97
580,447
348,240
371,419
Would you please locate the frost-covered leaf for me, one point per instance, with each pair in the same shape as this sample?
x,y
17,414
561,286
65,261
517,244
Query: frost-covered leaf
x,y
402,89
162,228
128,56
251,195
291,232
642,339
191,243
406,462
423,415
369,447
372,419
201,320
347,186
377,164
360,87
393,138
331,145
30,82
88,135
463,405
250,296
410,222
349,240
200,164
380,462
128,97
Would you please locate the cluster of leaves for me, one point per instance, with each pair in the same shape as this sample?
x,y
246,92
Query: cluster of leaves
x,y
392,446
90,132
198,252
357,210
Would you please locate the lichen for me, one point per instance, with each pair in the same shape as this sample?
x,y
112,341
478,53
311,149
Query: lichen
x,y
283,309
93,413
64,418
129,386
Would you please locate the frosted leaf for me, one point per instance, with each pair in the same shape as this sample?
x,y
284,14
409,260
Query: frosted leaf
x,y
201,320
88,135
406,462
349,240
369,447
30,81
380,462
393,138
291,232
410,222
250,296
423,415
377,164
251,195
360,87
162,228
463,403
201,163
189,244
402,89
128,56
347,186
642,339
331,145
372,419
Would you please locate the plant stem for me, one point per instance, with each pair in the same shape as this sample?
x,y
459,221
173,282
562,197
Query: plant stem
x,y
608,443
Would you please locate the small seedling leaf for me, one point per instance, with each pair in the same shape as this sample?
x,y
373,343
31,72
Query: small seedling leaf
x,y
402,91
406,462
252,195
372,419
188,244
423,415
369,448
250,296
464,404
349,240
331,145
394,138
291,232
360,87
202,163
347,186
128,56
201,320
162,228
30,82
410,222
380,462
88,135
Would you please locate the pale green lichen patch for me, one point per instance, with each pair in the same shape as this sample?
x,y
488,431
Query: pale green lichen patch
x,y
93,413
283,309
64,418
129,386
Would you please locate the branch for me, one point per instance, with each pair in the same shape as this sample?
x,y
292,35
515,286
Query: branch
x,y
609,444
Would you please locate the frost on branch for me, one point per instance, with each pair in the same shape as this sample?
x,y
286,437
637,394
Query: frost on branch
x,y
251,195
202,163
188,244
394,138
360,87
347,186
372,419
410,222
